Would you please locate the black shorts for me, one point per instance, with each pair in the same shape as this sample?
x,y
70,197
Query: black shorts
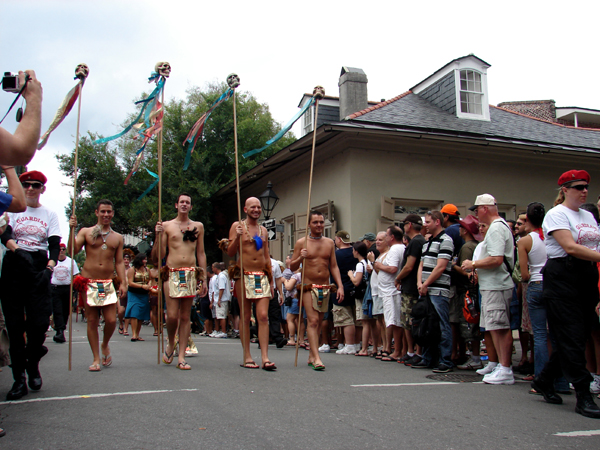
x,y
235,306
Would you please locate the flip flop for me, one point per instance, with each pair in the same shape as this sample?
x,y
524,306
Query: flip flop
x,y
358,354
250,365
155,334
140,339
317,367
126,334
168,359
269,366
107,360
121,329
389,359
184,366
94,368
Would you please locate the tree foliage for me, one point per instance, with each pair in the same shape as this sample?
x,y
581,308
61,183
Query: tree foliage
x,y
103,168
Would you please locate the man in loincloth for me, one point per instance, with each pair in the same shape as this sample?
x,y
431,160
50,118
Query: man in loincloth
x,y
184,239
256,280
318,255
104,256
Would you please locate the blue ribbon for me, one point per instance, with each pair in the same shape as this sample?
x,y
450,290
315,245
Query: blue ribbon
x,y
147,191
152,98
191,140
283,130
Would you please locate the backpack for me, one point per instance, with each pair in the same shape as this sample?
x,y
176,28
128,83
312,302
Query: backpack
x,y
425,323
358,292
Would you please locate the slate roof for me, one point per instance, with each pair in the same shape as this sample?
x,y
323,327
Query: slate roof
x,y
413,112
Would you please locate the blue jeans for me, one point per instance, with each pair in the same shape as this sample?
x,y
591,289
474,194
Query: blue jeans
x,y
442,306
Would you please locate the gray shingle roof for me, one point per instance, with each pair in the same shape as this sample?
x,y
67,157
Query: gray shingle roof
x,y
414,112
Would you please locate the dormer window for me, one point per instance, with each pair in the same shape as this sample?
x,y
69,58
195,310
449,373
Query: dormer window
x,y
307,120
471,92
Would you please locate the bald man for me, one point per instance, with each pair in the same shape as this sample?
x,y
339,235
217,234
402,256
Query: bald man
x,y
255,284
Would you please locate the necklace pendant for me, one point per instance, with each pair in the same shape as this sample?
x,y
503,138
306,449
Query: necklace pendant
x,y
104,247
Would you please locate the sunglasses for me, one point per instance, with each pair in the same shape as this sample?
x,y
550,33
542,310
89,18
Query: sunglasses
x,y
35,185
579,187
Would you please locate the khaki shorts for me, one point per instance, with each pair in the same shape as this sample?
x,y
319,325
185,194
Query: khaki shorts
x,y
358,313
222,311
343,316
495,309
407,303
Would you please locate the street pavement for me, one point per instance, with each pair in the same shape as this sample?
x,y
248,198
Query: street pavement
x,y
355,403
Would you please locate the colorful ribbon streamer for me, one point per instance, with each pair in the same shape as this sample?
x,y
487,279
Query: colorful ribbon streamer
x,y
152,186
284,130
63,111
150,102
198,127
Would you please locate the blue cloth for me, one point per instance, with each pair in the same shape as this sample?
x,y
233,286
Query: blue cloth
x,y
294,308
138,306
5,201
442,306
515,311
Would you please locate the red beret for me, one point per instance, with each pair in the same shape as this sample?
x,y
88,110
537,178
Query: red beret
x,y
33,175
574,175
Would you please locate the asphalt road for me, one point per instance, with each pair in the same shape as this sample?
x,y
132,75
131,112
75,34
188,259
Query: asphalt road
x,y
355,403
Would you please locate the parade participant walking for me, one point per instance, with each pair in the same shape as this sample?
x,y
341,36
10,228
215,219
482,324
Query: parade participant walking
x,y
60,291
25,283
256,284
317,254
186,262
103,256
570,290
138,288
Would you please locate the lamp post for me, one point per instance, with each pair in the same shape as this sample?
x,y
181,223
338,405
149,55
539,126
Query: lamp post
x,y
268,200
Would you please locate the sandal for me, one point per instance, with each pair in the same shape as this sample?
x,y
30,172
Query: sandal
x,y
168,359
184,366
317,367
94,368
121,330
107,360
269,366
249,365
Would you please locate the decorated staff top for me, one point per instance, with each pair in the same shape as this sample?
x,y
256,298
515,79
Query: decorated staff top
x,y
233,81
163,69
81,73
318,94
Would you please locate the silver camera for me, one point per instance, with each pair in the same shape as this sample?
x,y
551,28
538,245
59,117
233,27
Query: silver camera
x,y
10,82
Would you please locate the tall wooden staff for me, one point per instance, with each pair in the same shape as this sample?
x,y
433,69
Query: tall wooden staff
x,y
234,81
164,69
81,72
318,94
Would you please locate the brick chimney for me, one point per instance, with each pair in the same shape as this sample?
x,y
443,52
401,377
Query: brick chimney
x,y
353,91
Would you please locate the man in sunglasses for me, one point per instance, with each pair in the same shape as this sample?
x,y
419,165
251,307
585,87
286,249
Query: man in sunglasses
x,y
25,282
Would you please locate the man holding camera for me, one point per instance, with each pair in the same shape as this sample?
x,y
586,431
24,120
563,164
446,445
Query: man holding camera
x,y
17,149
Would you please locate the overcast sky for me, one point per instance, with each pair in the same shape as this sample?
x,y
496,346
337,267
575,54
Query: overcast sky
x,y
281,50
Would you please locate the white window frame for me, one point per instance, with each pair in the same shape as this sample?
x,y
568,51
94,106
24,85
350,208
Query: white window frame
x,y
483,94
308,121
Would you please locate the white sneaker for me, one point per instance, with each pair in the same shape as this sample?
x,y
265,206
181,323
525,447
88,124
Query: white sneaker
x,y
347,350
213,334
500,375
595,384
470,365
489,368
340,348
325,348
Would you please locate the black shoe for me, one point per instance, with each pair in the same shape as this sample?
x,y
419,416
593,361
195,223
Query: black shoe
x,y
35,379
421,365
18,390
443,368
281,343
416,359
586,405
60,337
547,390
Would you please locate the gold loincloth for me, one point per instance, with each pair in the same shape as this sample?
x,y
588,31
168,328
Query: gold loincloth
x,y
98,292
257,285
182,282
320,295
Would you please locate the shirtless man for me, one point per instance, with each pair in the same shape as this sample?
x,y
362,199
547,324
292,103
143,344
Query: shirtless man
x,y
185,262
104,255
320,263
256,284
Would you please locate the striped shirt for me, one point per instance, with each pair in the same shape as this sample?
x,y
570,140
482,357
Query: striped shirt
x,y
437,247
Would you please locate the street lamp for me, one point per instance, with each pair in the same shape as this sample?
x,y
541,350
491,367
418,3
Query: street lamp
x,y
268,201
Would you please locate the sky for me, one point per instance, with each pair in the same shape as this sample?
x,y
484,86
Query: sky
x,y
281,50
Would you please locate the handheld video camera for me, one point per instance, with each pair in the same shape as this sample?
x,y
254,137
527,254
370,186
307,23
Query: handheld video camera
x,y
10,82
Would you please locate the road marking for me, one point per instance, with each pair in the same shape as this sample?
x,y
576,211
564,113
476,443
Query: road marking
x,y
579,433
430,383
113,394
